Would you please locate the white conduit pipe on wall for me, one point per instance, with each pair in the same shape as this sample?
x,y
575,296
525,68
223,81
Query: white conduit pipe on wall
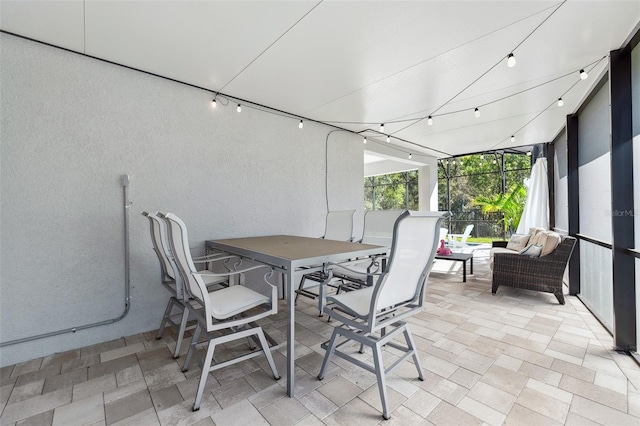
x,y
126,208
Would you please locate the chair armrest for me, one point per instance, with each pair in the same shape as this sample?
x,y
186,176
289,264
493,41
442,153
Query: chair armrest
x,y
502,244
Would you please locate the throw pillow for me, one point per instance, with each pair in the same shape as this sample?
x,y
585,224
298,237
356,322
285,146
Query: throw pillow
x,y
518,242
532,250
552,241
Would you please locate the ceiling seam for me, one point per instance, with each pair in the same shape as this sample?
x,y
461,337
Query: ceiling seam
x,y
271,45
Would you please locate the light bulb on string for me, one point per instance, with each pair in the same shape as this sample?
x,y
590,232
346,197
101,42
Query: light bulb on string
x,y
300,124
239,108
388,138
382,128
364,140
560,102
409,155
214,103
529,153
482,157
430,120
513,138
583,75
476,112
495,161
453,162
511,60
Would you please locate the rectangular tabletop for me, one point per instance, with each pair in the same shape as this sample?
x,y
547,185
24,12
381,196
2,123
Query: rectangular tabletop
x,y
289,253
459,257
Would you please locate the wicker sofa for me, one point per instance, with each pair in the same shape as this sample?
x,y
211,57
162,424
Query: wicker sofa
x,y
533,273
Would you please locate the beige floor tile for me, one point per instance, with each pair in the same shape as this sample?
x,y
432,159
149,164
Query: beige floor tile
x,y
355,413
339,391
318,404
42,419
465,377
576,371
607,365
473,361
242,413
574,419
492,397
509,362
99,385
183,414
600,413
522,416
614,383
446,414
507,380
543,404
284,411
403,416
89,410
146,417
422,403
481,411
529,356
268,396
124,391
594,392
20,393
35,405
33,376
64,380
129,406
26,367
372,397
437,365
162,377
443,388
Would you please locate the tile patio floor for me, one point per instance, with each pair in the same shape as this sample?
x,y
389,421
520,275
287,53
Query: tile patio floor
x,y
514,358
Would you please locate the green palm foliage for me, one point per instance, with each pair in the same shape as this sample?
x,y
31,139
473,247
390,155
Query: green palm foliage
x,y
510,205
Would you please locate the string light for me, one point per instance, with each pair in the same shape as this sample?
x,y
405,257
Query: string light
x,y
214,103
560,102
365,140
300,124
529,153
477,112
482,157
239,108
382,128
388,138
495,161
511,60
409,155
583,75
513,138
453,162
430,121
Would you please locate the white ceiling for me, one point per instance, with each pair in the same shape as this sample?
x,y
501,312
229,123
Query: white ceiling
x,y
361,63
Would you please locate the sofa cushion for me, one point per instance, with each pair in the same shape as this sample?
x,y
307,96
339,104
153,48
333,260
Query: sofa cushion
x,y
547,239
495,250
535,230
518,242
532,250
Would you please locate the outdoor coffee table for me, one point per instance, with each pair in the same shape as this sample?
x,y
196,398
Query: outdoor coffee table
x,y
460,257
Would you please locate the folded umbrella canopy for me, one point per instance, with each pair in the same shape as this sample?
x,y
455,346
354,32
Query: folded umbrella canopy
x,y
536,207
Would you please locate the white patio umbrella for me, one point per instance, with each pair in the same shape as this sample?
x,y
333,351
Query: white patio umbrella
x,y
536,207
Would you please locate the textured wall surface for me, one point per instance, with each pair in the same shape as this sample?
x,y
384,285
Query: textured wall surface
x,y
71,126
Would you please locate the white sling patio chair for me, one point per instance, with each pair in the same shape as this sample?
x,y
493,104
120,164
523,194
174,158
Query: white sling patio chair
x,y
373,316
170,279
339,227
460,240
223,315
377,230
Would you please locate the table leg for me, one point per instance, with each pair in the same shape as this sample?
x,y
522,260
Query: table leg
x,y
464,271
471,265
291,323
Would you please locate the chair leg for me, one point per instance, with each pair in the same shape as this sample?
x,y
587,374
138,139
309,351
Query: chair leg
x,y
330,349
267,353
203,376
300,286
412,347
166,316
382,383
192,348
183,328
560,297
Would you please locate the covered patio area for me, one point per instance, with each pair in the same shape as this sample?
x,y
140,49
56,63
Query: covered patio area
x,y
514,358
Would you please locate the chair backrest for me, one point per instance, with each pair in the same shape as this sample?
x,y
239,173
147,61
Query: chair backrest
x,y
466,233
378,227
415,238
160,242
443,234
179,242
339,225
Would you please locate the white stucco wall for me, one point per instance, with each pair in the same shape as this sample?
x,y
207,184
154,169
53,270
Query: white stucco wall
x,y
71,126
